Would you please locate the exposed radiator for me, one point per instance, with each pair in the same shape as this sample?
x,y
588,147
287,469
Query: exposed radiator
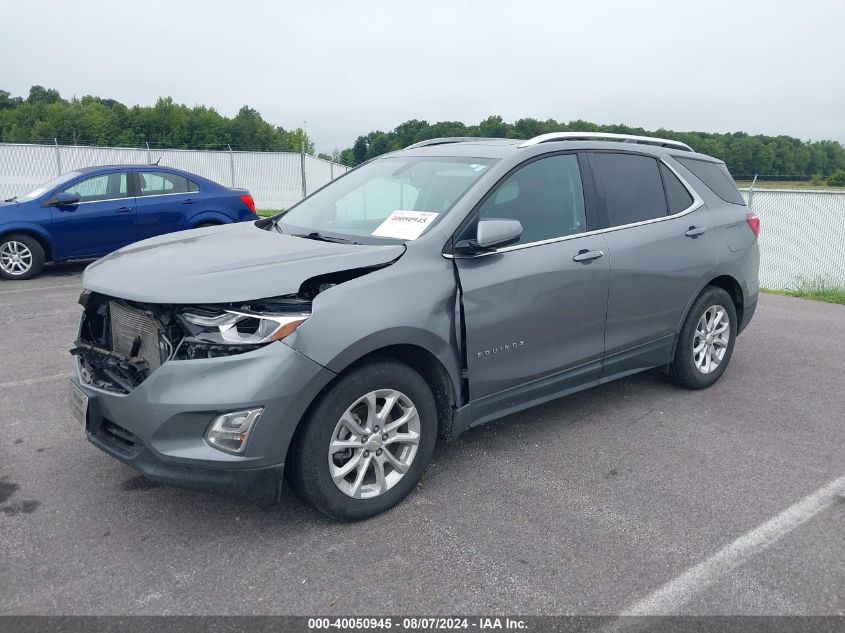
x,y
127,325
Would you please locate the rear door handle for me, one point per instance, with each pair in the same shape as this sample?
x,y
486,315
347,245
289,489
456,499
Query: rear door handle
x,y
587,256
188,201
695,231
124,209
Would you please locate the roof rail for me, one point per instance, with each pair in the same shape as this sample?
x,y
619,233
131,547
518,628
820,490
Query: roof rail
x,y
447,140
607,136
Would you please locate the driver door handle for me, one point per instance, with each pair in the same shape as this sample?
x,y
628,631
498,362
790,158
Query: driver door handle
x,y
695,231
587,256
124,209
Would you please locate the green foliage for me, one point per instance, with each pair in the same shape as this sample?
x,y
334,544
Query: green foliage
x,y
745,155
45,115
816,289
837,178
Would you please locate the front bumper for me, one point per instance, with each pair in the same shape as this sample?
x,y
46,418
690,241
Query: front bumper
x,y
159,428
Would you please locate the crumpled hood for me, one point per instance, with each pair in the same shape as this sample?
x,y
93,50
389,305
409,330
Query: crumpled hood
x,y
222,264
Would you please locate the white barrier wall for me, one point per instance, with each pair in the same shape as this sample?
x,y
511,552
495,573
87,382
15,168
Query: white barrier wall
x,y
273,178
802,236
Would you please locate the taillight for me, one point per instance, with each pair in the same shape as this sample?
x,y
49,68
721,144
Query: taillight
x,y
248,201
754,223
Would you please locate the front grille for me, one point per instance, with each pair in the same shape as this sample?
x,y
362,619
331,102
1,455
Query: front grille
x,y
134,334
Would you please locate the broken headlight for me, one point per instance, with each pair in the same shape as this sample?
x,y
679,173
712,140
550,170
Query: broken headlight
x,y
227,332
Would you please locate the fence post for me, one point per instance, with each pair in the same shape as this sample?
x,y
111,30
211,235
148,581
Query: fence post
x,y
331,167
149,156
302,168
58,158
231,164
751,192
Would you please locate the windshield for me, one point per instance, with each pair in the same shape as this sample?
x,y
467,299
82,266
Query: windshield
x,y
398,198
47,186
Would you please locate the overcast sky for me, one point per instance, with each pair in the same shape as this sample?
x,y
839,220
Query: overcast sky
x,y
348,67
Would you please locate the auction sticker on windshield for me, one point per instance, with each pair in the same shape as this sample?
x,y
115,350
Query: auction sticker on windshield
x,y
405,225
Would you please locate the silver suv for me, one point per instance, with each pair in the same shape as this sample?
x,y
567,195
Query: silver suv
x,y
430,290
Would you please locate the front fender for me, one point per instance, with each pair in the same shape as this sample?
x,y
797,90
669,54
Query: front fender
x,y
32,229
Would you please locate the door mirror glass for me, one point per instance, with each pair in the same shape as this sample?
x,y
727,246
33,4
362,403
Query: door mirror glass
x,y
491,234
63,199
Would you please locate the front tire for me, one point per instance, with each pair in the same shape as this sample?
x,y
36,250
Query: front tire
x,y
366,443
706,342
21,257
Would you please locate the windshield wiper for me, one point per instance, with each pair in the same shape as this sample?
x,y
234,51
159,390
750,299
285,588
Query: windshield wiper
x,y
12,199
316,235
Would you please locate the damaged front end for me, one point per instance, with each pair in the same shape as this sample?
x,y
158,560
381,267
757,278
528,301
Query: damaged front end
x,y
121,343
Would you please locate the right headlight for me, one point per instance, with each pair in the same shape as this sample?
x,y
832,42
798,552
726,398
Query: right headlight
x,y
243,328
233,332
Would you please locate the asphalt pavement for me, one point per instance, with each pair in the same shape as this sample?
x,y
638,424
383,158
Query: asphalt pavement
x,y
635,496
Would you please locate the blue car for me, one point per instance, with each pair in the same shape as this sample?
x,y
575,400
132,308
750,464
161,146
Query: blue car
x,y
93,211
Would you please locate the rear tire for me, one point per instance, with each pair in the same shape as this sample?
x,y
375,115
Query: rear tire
x,y
705,343
351,458
21,256
203,225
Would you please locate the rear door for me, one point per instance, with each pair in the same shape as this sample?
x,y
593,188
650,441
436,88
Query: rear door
x,y
102,221
537,308
166,202
661,242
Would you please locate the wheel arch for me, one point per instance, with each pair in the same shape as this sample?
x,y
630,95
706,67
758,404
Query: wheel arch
x,y
420,360
42,238
727,283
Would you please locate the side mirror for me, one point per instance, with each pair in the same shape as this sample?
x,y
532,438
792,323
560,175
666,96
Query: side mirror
x,y
63,199
491,234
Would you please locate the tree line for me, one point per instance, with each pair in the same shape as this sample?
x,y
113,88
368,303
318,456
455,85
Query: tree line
x,y
744,154
45,115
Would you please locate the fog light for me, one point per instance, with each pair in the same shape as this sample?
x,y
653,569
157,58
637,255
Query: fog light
x,y
230,431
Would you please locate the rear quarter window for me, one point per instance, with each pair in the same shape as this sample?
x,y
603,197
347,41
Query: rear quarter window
x,y
715,176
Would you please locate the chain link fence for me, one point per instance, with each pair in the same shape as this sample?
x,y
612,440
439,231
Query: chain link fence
x,y
276,180
802,238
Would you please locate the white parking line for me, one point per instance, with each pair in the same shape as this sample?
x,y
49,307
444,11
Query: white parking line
x,y
3,292
34,381
676,593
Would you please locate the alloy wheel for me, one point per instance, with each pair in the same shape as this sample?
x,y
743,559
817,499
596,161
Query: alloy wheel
x,y
15,257
710,341
374,443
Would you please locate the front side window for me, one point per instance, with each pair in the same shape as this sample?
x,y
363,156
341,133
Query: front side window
x,y
546,197
157,183
376,198
632,187
104,187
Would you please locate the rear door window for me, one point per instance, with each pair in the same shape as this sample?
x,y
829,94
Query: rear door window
x,y
677,196
716,176
158,183
631,186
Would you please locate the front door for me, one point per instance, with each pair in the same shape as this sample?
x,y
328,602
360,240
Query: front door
x,y
102,221
536,308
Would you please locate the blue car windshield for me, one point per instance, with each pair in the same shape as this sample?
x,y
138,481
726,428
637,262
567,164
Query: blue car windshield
x,y
48,186
393,197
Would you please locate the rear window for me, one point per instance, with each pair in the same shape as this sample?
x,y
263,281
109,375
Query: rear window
x,y
715,176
